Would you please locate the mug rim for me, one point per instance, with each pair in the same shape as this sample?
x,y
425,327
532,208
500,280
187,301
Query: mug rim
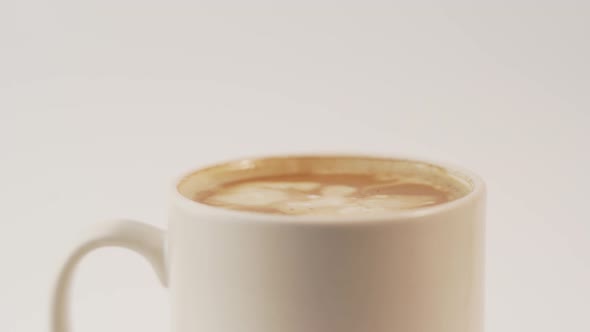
x,y
476,191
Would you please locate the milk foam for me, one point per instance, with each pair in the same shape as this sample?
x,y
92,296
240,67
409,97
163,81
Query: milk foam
x,y
297,198
323,185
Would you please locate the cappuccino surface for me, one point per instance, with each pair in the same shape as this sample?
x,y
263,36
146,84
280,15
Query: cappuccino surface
x,y
330,194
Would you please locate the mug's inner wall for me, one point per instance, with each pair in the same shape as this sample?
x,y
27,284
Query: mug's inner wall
x,y
209,178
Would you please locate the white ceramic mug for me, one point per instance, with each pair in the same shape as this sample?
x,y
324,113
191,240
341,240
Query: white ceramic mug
x,y
418,270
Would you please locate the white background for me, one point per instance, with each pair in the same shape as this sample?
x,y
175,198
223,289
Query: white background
x,y
103,103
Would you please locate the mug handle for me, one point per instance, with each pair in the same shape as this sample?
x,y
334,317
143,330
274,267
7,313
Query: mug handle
x,y
144,239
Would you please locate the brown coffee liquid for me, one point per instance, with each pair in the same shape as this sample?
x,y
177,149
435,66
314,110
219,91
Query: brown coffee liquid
x,y
329,194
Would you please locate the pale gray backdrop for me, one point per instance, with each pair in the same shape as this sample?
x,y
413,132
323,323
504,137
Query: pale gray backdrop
x,y
102,103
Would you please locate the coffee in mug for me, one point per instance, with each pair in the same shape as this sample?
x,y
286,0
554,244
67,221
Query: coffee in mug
x,y
316,243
